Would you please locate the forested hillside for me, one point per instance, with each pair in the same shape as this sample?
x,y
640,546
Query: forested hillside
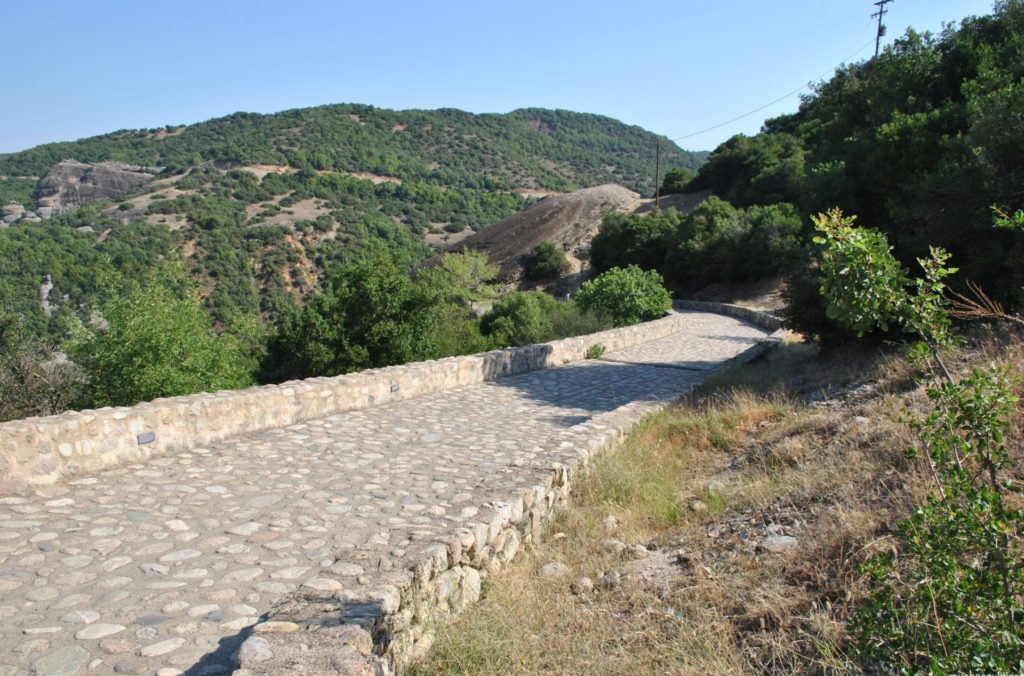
x,y
924,143
261,206
528,148
920,143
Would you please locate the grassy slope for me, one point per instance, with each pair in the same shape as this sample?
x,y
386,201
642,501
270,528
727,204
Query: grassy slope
x,y
754,452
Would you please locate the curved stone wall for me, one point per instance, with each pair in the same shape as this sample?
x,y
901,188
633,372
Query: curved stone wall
x,y
44,450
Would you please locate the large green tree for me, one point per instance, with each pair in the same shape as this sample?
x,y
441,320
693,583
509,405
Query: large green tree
x,y
371,315
154,339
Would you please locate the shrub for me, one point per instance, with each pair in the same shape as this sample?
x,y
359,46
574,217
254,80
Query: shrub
x,y
35,379
676,180
548,260
371,316
633,239
595,351
520,318
625,295
951,599
529,317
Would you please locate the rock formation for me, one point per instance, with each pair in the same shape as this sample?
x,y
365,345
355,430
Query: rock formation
x,y
69,184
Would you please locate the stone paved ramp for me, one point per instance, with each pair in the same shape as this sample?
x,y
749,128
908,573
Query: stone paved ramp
x,y
167,565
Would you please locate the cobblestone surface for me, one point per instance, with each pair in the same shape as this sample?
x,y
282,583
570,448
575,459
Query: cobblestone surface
x,y
167,565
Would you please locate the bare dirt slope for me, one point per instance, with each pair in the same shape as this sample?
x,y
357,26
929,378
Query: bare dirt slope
x,y
684,202
570,221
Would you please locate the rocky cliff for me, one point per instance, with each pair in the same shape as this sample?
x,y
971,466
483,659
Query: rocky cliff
x,y
70,184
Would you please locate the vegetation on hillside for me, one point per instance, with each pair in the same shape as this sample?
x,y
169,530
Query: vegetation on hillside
x,y
921,142
152,338
533,147
716,242
951,597
547,261
261,207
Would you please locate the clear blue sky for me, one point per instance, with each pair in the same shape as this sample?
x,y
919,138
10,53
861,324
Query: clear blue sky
x,y
76,69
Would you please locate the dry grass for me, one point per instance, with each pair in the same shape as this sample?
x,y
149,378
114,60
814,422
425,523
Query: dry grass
x,y
799,443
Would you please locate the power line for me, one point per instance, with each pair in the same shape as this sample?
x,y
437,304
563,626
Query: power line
x,y
781,98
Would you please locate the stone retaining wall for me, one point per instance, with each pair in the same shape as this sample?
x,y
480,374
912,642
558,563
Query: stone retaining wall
x,y
43,450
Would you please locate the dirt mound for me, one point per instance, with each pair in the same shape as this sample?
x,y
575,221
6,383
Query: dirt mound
x,y
570,221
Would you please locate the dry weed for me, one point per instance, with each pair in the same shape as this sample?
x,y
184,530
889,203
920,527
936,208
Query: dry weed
x,y
802,447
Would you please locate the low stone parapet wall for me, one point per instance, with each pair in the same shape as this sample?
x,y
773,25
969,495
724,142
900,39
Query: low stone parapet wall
x,y
768,321
44,450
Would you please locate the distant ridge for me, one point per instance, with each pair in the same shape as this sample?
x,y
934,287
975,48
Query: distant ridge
x,y
526,148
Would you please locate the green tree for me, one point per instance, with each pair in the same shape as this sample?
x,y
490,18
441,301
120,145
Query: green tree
x,y
625,295
520,318
155,340
461,278
676,180
633,239
547,260
371,315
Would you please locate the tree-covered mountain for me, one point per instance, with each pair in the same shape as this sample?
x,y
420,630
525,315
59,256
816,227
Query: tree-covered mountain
x,y
528,148
259,207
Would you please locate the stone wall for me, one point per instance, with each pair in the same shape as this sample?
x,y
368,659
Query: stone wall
x,y
44,450
764,319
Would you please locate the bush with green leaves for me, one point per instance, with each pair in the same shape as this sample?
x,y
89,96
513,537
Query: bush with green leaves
x,y
520,318
371,315
547,260
716,242
951,598
626,296
155,340
866,288
530,317
676,180
634,239
35,378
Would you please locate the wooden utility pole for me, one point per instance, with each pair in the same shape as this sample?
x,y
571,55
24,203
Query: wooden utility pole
x,y
881,27
657,172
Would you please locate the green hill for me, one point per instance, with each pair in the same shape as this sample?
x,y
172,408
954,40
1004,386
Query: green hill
x,y
259,206
527,148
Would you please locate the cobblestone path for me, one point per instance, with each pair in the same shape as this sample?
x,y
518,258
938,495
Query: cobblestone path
x,y
159,567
